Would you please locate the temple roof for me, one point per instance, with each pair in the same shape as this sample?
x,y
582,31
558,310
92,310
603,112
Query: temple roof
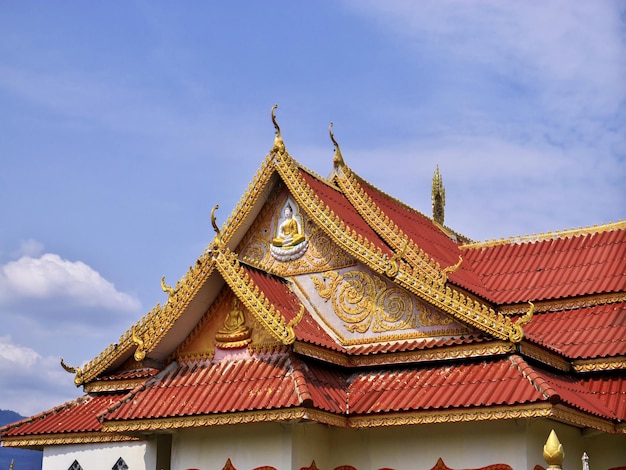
x,y
525,327
554,267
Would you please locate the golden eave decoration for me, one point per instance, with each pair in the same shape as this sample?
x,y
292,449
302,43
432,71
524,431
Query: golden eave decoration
x,y
255,301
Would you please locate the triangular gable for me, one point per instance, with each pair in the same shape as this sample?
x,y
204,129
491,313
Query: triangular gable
x,y
330,220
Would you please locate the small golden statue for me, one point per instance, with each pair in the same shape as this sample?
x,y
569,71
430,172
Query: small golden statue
x,y
289,242
289,232
234,333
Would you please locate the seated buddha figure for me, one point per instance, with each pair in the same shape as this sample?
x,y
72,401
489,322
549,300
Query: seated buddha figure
x,y
234,332
289,232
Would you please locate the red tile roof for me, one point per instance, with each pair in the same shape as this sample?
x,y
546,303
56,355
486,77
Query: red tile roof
x,y
553,268
260,382
583,333
338,203
427,236
79,415
509,381
610,389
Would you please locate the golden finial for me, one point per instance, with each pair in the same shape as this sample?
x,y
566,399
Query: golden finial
x,y
279,145
78,379
525,319
438,197
140,352
338,158
11,466
70,369
553,452
214,223
451,269
166,288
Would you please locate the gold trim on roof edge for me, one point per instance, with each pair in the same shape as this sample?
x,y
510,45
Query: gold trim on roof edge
x,y
383,225
600,365
405,357
265,312
157,322
620,224
114,385
414,279
565,304
540,410
64,439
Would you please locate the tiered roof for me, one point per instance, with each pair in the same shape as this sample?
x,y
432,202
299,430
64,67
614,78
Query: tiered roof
x,y
441,329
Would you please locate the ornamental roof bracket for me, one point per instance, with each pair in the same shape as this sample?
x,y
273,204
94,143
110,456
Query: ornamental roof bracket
x,y
78,378
279,144
140,352
516,331
338,158
218,233
450,270
393,266
170,290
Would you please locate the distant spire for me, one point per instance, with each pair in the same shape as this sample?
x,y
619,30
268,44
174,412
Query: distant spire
x,y
438,197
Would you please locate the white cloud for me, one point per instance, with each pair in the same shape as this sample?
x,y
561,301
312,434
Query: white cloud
x,y
36,383
51,277
13,356
30,247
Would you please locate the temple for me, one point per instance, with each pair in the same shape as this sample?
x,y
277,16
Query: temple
x,y
329,326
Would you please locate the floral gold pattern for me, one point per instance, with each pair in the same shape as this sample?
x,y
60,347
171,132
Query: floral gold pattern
x,y
363,301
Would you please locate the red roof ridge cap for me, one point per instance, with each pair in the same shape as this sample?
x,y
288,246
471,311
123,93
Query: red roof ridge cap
x,y
301,384
535,379
131,394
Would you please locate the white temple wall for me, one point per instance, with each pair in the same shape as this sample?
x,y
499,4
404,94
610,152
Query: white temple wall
x,y
518,443
137,455
460,445
247,446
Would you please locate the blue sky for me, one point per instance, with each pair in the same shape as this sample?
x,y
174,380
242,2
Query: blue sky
x,y
123,123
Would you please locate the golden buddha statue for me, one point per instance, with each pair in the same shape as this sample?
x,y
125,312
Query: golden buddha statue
x,y
234,333
289,232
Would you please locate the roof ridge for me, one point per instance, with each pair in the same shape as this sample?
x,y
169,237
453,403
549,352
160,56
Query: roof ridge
x,y
383,225
300,382
535,379
403,204
544,236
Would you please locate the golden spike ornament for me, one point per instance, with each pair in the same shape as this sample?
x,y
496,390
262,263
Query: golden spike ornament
x,y
338,158
450,270
170,290
525,319
553,452
438,197
279,145
140,352
78,379
218,234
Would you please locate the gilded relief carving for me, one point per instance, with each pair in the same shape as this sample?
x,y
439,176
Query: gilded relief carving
x,y
289,242
313,251
367,302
